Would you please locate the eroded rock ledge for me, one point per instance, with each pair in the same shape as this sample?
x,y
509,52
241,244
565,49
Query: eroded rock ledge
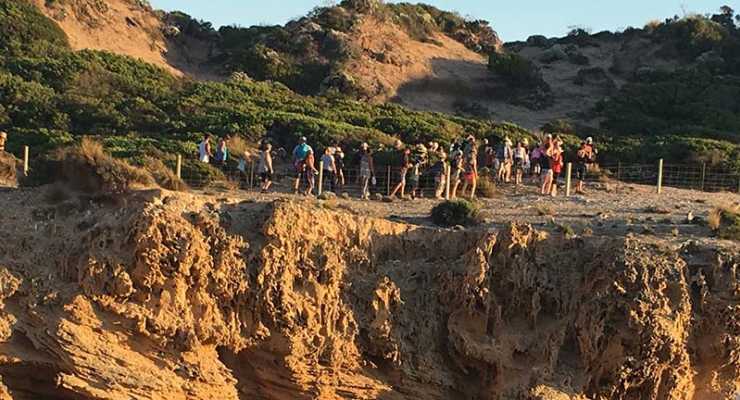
x,y
167,297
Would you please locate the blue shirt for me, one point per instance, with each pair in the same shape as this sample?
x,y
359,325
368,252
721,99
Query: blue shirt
x,y
301,151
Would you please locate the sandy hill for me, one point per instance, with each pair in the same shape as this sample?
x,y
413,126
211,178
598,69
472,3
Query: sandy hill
x,y
127,27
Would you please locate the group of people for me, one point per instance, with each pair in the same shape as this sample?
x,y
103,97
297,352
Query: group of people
x,y
545,161
455,169
208,156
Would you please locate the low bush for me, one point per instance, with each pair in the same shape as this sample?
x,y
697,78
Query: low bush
x,y
486,187
456,212
87,167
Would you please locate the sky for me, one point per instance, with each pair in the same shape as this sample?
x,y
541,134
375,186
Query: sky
x,y
513,20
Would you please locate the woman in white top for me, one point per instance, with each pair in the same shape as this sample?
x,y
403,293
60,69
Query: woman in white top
x,y
264,167
204,150
330,167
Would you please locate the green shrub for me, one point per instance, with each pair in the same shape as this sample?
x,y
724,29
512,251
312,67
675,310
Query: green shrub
x,y
25,30
518,70
456,212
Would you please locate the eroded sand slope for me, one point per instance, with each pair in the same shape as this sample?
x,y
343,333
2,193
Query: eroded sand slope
x,y
175,296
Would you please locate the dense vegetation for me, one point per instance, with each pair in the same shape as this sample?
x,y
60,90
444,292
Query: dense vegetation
x,y
52,98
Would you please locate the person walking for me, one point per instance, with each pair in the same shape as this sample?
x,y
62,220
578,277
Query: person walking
x,y
556,165
367,170
222,153
310,172
300,152
456,168
264,167
339,165
204,149
520,160
405,156
330,168
439,171
583,157
545,162
470,167
506,159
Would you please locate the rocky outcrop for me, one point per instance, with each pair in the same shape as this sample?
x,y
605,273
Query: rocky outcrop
x,y
173,297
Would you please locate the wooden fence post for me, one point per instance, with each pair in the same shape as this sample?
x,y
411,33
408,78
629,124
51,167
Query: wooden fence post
x,y
448,174
568,174
388,182
251,175
178,167
25,160
703,175
660,176
321,177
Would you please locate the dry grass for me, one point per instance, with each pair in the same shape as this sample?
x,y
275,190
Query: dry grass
x,y
88,167
163,175
725,222
238,146
8,169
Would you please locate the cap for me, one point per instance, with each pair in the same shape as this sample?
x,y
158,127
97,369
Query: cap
x,y
303,139
589,140
364,146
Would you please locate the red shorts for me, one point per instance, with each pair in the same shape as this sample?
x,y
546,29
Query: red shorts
x,y
470,176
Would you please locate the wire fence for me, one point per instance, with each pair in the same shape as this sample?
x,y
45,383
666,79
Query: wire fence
x,y
430,182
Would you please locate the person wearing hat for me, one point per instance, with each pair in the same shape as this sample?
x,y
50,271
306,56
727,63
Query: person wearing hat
x,y
3,139
300,152
366,170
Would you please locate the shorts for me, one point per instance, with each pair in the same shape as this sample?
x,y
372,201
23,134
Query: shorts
x,y
555,175
300,169
471,176
266,177
456,175
365,173
581,172
404,172
518,164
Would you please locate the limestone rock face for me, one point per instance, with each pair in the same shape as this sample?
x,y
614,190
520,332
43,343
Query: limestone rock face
x,y
186,300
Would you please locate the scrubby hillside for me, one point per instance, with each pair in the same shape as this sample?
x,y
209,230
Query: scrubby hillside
x,y
175,296
415,55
